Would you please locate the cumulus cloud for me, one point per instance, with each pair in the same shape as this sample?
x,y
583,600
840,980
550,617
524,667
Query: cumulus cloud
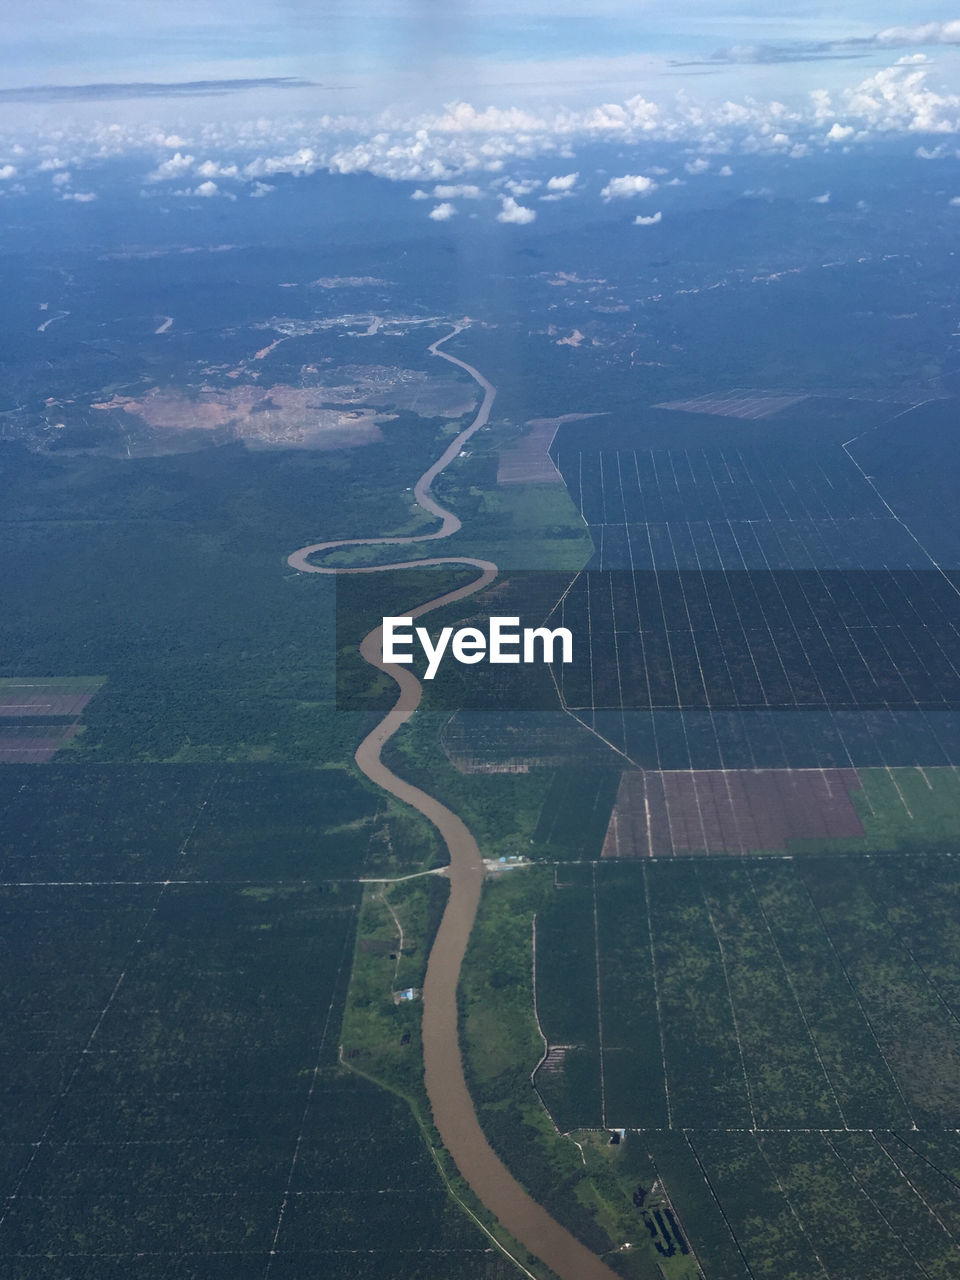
x,y
61,178
51,164
700,165
456,191
446,150
510,211
899,99
627,186
7,171
725,172
261,189
519,188
443,212
641,221
175,167
213,169
824,199
955,202
208,190
80,197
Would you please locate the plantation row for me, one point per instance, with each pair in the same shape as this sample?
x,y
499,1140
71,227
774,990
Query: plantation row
x,y
817,993
194,822
754,482
800,738
865,1206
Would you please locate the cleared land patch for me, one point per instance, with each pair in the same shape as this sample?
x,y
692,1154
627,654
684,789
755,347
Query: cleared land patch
x,y
39,716
528,461
313,415
730,811
742,402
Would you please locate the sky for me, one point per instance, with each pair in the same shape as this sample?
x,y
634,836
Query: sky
x,y
211,93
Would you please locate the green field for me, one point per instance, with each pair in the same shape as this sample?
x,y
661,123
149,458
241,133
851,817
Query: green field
x,y
784,1038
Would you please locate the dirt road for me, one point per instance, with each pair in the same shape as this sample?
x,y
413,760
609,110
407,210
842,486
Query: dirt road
x,y
453,1110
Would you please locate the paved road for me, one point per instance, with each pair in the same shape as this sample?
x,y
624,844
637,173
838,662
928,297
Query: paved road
x,y
453,1111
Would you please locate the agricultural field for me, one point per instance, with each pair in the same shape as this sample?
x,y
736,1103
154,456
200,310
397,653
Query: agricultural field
x,y
177,948
794,811
782,1039
39,716
736,578
236,823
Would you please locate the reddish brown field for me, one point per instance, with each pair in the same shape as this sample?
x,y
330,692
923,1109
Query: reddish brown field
x,y
38,699
38,748
528,461
729,811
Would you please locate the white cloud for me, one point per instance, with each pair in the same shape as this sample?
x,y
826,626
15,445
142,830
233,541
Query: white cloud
x,y
840,132
51,164
912,60
899,100
451,146
955,202
443,212
175,167
211,169
824,199
526,187
651,221
725,172
206,191
7,171
700,165
566,182
80,197
627,186
261,189
61,178
924,33
510,211
456,191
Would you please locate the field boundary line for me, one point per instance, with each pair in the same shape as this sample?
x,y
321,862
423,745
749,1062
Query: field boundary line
x,y
793,992
730,1001
789,1203
855,1179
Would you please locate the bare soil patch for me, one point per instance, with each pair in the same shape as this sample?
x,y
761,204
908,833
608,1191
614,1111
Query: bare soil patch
x,y
731,811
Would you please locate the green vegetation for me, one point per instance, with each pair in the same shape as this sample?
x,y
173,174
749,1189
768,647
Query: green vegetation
x,y
600,1191
381,1039
805,1108
902,811
176,967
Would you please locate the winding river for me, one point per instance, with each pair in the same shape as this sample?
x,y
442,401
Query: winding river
x,y
453,1111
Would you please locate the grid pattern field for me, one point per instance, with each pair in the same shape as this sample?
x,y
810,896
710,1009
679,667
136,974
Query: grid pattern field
x,y
756,575
784,994
782,1040
175,965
